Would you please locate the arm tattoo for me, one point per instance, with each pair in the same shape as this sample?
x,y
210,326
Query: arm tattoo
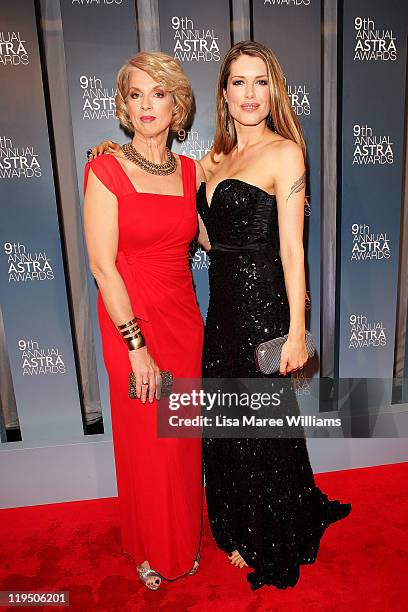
x,y
297,185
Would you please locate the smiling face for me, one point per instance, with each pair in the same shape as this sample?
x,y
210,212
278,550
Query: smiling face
x,y
247,91
149,105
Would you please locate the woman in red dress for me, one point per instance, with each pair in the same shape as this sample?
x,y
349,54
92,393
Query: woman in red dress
x,y
139,218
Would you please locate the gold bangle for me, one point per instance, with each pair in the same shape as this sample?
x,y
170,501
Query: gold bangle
x,y
132,322
135,333
126,329
136,343
130,336
131,331
133,337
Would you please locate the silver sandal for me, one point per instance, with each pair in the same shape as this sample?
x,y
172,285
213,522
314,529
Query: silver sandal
x,y
195,567
145,573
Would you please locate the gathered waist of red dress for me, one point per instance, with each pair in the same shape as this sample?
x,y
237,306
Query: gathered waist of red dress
x,y
157,259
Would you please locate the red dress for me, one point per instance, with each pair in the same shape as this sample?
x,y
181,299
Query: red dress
x,y
159,479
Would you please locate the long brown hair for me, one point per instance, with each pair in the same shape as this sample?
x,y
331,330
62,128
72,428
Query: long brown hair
x,y
284,119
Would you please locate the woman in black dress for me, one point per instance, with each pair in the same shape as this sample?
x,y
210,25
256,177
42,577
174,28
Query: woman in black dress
x,y
264,508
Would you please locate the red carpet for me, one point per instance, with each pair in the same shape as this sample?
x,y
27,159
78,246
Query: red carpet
x,y
362,562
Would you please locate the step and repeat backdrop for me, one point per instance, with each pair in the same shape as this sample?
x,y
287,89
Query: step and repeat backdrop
x,y
33,285
99,36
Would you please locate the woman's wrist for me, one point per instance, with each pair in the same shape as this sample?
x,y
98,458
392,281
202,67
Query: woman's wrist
x,y
297,333
131,334
136,342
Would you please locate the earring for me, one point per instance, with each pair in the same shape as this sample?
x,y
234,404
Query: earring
x,y
270,123
226,116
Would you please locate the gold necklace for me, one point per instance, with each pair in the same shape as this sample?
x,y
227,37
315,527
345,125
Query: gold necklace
x,y
133,155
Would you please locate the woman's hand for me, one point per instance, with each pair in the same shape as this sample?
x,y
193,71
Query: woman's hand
x,y
147,371
106,146
294,355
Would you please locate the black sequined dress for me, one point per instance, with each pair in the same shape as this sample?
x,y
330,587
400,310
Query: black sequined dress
x,y
261,496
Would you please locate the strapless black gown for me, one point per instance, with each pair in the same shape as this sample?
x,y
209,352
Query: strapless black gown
x,y
261,496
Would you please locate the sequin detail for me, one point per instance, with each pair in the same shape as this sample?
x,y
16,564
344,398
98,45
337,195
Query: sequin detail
x,y
261,496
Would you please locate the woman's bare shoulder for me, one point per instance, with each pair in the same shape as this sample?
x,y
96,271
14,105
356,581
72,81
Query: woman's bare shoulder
x,y
280,155
284,150
210,162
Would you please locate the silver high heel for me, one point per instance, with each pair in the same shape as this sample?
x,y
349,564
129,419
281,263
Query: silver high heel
x,y
147,572
196,565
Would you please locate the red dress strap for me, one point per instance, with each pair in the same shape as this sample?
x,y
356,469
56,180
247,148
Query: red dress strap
x,y
105,167
189,178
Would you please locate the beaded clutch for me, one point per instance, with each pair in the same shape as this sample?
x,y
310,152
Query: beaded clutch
x,y
165,389
268,354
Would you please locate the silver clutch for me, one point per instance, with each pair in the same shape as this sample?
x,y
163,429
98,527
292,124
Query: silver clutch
x,y
268,354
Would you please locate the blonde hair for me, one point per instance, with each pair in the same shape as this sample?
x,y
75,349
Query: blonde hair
x,y
165,70
283,116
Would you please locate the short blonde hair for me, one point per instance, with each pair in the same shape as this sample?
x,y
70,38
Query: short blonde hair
x,y
165,70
